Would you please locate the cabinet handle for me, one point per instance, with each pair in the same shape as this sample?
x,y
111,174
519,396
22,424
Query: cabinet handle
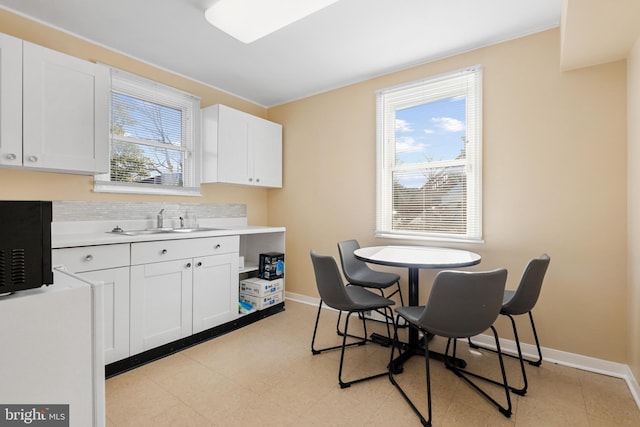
x,y
217,246
188,265
163,252
11,156
257,179
32,158
199,264
250,179
88,257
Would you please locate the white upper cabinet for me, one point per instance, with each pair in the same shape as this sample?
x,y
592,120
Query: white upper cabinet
x,y
66,112
10,101
239,148
63,104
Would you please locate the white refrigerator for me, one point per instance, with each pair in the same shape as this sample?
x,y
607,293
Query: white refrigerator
x,y
51,354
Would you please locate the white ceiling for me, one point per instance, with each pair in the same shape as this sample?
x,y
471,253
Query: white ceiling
x,y
348,42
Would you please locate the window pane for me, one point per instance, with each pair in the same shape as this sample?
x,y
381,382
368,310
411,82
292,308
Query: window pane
x,y
429,158
145,164
140,119
429,132
154,136
430,200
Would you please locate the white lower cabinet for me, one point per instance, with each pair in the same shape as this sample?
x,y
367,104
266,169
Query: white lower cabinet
x,y
109,265
158,292
116,311
181,287
160,303
215,291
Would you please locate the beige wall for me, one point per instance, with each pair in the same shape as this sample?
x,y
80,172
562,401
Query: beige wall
x,y
633,71
17,184
554,181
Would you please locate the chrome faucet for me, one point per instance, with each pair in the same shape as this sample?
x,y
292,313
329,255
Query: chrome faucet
x,y
160,219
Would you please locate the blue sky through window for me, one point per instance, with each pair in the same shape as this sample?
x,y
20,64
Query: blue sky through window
x,y
432,131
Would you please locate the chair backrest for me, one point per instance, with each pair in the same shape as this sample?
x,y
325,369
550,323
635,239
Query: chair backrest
x,y
352,267
528,291
462,303
329,282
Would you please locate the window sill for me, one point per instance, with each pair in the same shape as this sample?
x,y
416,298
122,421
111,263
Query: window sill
x,y
424,238
110,187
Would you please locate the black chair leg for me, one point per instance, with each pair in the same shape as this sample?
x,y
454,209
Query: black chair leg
x,y
400,293
535,336
523,390
345,384
464,374
340,333
314,351
427,422
520,391
423,421
388,318
535,363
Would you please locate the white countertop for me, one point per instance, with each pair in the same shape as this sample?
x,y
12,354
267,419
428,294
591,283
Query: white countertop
x,y
87,233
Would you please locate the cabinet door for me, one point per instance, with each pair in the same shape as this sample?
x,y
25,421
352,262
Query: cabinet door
x,y
215,291
233,147
10,101
116,311
265,141
66,112
161,303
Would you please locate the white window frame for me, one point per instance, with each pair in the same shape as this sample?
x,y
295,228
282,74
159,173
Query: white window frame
x,y
467,82
142,88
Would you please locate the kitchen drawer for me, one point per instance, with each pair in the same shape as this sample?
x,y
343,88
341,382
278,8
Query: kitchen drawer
x,y
168,250
89,258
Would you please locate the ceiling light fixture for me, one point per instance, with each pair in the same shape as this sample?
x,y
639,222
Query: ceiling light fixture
x,y
250,20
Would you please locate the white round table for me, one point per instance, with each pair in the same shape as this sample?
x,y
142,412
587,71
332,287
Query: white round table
x,y
415,258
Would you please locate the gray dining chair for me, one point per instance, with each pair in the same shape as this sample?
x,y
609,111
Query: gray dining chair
x,y
358,273
461,304
522,301
350,299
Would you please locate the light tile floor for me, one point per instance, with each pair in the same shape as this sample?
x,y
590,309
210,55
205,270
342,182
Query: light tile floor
x,y
264,374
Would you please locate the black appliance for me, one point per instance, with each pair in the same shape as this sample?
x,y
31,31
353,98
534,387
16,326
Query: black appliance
x,y
25,245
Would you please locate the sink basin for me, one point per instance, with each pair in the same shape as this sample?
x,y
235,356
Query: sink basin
x,y
193,230
161,231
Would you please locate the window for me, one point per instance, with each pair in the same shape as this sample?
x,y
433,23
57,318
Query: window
x,y
154,135
429,158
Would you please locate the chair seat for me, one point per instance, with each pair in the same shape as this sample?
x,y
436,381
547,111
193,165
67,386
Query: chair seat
x,y
363,300
411,313
511,306
373,278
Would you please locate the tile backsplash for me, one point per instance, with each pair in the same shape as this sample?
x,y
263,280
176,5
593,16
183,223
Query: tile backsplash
x,y
102,211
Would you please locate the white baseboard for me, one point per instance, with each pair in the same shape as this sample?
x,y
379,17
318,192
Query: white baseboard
x,y
578,361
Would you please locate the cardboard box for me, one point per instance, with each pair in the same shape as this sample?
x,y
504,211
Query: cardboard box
x,y
262,302
271,266
260,287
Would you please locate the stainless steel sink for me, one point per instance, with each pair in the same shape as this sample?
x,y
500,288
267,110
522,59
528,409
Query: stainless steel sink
x,y
160,231
193,230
